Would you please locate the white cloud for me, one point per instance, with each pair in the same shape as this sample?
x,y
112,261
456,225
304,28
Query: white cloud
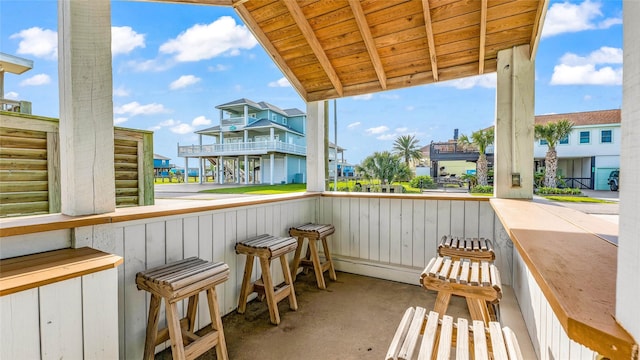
x,y
201,42
218,67
200,120
353,125
486,81
120,92
364,97
12,95
402,130
387,137
390,96
587,97
134,108
376,130
184,81
38,42
149,65
585,75
567,17
162,124
604,55
583,70
119,120
182,129
124,39
410,108
36,80
282,82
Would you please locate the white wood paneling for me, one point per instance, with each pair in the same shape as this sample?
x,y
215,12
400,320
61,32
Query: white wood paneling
x,y
99,307
548,337
19,325
61,320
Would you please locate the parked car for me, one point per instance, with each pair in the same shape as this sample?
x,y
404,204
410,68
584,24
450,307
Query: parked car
x,y
613,180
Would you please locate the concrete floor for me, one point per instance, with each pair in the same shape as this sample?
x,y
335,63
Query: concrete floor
x,y
355,318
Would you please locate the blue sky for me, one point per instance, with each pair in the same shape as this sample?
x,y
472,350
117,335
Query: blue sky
x,y
172,64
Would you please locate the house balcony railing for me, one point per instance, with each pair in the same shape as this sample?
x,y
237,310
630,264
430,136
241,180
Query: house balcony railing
x,y
233,123
241,148
17,106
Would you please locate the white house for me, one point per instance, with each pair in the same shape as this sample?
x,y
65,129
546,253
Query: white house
x,y
256,142
590,152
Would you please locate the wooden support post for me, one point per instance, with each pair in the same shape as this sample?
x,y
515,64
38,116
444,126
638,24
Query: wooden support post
x,y
86,107
514,123
315,151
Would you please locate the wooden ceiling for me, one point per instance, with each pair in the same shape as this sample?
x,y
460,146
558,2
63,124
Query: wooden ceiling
x,y
336,48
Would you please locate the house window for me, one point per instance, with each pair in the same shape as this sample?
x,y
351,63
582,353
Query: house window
x,y
543,142
564,140
274,117
605,137
585,137
284,121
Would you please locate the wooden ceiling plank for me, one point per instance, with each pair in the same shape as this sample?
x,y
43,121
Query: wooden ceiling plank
x,y
483,35
358,14
307,31
271,50
432,47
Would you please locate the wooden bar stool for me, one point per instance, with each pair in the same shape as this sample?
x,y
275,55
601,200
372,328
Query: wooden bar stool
x,y
477,281
174,282
441,336
267,247
314,232
470,248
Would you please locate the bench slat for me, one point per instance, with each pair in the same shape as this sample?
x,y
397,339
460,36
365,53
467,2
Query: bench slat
x,y
462,340
409,346
444,272
485,274
446,335
480,341
475,273
497,342
453,275
464,273
429,337
400,334
512,344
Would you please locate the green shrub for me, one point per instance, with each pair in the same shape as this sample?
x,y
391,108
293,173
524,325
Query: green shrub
x,y
482,189
422,182
558,191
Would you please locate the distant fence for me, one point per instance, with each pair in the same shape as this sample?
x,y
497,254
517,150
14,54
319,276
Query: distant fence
x,y
580,183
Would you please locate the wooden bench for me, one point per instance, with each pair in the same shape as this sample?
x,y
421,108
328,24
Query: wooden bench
x,y
174,282
437,338
470,248
477,281
314,233
267,247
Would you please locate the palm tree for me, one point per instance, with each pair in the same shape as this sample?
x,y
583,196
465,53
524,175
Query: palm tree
x,y
406,146
552,133
384,166
480,139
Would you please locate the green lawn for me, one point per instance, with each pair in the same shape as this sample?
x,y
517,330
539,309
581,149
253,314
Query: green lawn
x,y
582,199
259,189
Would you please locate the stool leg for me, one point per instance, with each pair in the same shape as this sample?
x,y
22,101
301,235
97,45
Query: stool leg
x,y
296,258
442,302
268,290
216,324
293,302
152,327
478,309
246,285
175,332
327,255
192,310
317,265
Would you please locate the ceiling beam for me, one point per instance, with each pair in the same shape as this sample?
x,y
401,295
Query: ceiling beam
x,y
483,35
426,10
268,46
312,40
358,14
541,14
